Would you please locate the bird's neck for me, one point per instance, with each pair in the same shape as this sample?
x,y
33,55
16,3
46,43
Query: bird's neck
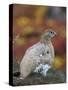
x,y
48,41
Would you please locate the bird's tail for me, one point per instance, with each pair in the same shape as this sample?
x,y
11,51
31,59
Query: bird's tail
x,y
16,74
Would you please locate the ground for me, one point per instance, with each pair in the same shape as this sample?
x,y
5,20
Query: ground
x,y
52,77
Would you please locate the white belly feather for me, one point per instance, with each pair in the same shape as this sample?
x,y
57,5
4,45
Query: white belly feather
x,y
37,54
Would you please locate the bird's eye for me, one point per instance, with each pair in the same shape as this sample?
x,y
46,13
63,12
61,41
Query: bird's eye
x,y
51,32
47,52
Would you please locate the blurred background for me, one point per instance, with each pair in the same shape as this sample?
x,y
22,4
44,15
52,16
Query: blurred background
x,y
30,21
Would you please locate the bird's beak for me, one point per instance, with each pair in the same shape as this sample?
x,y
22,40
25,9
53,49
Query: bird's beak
x,y
55,33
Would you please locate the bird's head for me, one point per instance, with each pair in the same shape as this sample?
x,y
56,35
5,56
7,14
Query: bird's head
x,y
48,34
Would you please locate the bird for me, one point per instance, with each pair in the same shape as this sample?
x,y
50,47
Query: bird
x,y
39,54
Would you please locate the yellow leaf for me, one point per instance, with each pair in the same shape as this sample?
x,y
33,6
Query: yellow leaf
x,y
58,62
22,21
20,41
28,30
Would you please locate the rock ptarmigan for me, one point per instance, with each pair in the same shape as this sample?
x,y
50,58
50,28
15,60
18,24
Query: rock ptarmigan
x,y
40,53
